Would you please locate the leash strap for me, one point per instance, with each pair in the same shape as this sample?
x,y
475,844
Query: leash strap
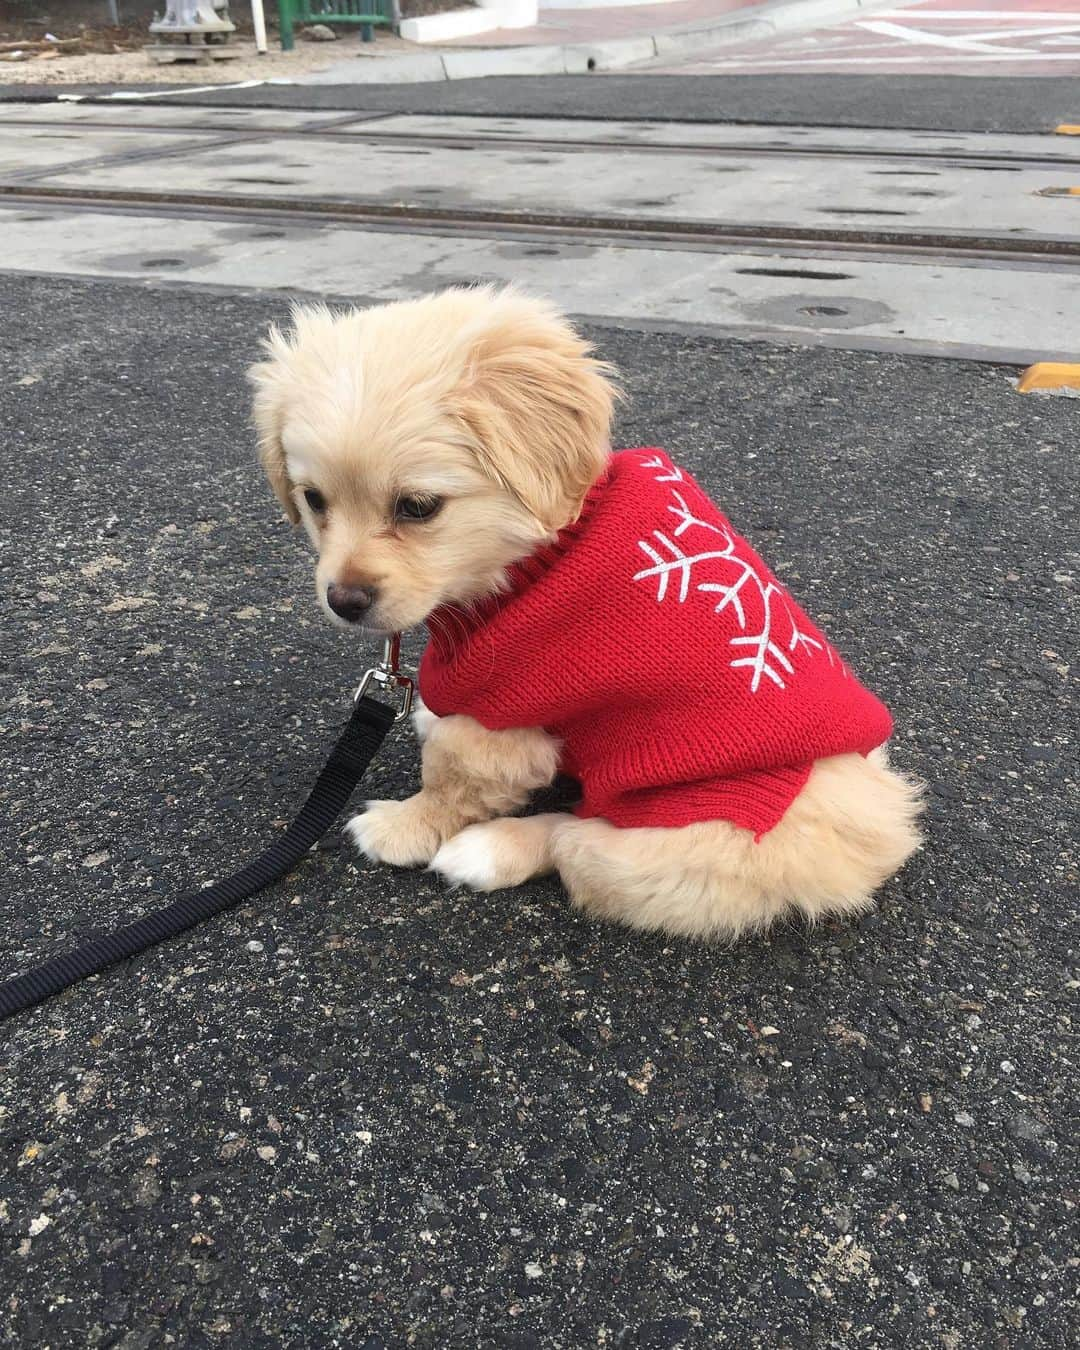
x,y
365,732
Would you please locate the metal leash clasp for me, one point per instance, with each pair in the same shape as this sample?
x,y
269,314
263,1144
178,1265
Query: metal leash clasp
x,y
390,678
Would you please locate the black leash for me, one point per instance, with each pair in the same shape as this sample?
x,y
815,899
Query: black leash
x,y
356,747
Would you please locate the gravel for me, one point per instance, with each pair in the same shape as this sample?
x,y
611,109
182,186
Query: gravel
x,y
365,1112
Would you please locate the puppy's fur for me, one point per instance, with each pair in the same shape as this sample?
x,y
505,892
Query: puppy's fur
x,y
490,402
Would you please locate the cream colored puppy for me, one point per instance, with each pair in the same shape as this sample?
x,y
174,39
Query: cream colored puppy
x,y
450,460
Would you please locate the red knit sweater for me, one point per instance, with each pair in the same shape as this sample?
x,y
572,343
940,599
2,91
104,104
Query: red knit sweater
x,y
683,681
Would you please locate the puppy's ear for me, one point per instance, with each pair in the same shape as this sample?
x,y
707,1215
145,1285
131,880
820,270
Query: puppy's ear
x,y
267,378
537,406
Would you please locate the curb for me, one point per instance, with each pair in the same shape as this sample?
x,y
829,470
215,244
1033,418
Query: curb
x,y
749,25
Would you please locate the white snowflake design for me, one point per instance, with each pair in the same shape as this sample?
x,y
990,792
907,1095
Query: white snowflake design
x,y
768,626
668,473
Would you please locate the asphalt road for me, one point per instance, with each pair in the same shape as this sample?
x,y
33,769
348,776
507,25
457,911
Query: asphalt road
x,y
918,102
363,1112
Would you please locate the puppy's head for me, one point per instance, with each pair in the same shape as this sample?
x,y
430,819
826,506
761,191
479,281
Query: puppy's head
x,y
427,445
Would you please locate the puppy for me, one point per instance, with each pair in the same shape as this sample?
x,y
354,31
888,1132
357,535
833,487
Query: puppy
x,y
588,611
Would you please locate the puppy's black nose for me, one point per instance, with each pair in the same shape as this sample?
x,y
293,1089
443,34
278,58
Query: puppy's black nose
x,y
350,603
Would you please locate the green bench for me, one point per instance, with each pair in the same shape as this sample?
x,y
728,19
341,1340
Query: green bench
x,y
365,13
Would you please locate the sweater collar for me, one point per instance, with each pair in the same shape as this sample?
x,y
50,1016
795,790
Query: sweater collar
x,y
452,627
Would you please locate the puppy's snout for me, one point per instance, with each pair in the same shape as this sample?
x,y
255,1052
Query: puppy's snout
x,y
350,603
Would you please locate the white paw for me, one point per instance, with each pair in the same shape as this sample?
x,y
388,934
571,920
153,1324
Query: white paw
x,y
392,832
362,830
423,719
469,860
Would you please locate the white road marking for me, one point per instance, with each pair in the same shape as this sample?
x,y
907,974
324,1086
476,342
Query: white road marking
x,y
884,60
124,97
965,15
991,34
918,38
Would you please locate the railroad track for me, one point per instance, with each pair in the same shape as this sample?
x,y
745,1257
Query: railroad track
x,y
562,228
895,241
350,131
31,186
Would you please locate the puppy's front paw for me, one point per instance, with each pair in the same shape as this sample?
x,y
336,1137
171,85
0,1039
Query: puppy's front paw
x,y
400,833
498,853
470,859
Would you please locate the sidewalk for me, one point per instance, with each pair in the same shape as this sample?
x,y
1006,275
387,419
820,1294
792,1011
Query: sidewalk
x,y
565,41
568,26
577,41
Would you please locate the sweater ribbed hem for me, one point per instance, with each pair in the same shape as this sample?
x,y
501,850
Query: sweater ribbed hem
x,y
755,801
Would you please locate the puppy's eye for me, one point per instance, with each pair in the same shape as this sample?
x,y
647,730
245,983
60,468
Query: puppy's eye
x,y
315,500
417,508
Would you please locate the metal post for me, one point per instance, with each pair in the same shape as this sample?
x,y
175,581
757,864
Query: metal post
x,y
285,25
258,18
112,13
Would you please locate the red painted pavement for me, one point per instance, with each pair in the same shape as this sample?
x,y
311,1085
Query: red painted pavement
x,y
561,26
942,37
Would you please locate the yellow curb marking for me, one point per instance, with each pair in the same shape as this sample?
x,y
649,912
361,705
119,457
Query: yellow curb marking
x,y
1068,129
1049,375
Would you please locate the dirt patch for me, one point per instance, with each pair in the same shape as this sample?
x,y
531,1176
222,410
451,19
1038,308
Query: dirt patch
x,y
90,52
135,67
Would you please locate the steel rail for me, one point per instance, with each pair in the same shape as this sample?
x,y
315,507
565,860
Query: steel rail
x,y
959,158
622,230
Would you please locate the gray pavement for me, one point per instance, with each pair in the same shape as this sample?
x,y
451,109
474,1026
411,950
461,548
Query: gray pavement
x,y
947,244
631,185
918,102
364,1112
1023,314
